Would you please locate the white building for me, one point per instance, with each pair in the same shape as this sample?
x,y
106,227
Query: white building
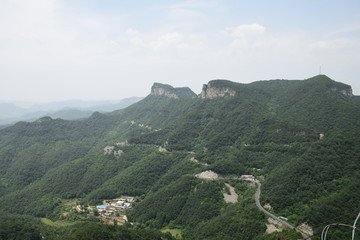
x,y
247,177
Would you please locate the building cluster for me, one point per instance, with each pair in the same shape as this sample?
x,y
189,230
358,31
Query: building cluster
x,y
113,211
111,207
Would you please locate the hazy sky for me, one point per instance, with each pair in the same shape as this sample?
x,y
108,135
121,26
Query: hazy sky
x,y
53,50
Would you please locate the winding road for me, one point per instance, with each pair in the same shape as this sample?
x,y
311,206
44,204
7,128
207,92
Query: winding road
x,y
257,201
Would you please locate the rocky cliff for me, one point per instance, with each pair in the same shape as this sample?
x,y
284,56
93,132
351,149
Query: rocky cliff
x,y
324,82
217,88
159,89
344,91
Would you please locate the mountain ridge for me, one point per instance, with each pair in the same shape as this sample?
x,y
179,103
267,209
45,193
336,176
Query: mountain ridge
x,y
270,129
159,89
225,88
68,110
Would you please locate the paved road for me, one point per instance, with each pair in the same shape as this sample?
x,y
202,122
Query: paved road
x,y
257,201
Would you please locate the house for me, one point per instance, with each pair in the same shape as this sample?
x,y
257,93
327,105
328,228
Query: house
x,y
247,177
101,208
127,205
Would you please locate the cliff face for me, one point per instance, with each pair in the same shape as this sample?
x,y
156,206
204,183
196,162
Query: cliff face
x,y
324,82
215,89
344,91
159,89
163,90
224,88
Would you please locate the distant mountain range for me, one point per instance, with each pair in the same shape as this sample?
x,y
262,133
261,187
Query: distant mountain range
x,y
68,110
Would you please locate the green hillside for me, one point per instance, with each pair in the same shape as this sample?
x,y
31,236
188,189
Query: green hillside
x,y
299,138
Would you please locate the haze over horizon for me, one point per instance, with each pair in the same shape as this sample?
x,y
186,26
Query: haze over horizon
x,y
55,50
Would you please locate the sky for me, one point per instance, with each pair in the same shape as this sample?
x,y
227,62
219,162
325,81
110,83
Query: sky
x,y
54,50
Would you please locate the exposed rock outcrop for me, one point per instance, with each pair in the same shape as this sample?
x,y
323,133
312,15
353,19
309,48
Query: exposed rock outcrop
x,y
208,175
273,226
344,91
159,89
217,88
109,150
332,86
305,228
268,207
162,149
232,196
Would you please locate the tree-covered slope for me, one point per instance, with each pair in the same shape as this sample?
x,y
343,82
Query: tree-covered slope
x,y
298,137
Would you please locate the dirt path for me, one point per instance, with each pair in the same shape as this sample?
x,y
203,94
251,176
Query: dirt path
x,y
232,197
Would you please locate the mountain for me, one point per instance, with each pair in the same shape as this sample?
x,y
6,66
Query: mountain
x,y
9,110
159,89
298,137
68,110
70,114
112,106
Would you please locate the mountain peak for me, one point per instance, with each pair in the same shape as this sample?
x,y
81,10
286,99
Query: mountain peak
x,y
331,85
159,89
219,88
44,119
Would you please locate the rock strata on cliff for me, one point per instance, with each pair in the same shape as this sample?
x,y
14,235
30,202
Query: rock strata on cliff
x,y
159,89
217,88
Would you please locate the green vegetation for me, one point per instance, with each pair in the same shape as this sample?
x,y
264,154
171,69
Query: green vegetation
x,y
19,227
176,233
299,137
59,223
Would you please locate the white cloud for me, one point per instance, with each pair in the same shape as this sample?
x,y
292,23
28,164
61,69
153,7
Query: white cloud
x,y
131,31
166,40
53,45
339,43
189,10
244,31
347,30
43,32
195,4
188,16
245,38
28,19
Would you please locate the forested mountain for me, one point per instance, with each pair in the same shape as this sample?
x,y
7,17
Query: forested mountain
x,y
299,138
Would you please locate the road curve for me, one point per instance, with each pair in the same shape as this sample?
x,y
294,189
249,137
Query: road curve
x,y
257,201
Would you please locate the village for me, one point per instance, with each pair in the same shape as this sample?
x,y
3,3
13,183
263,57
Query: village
x,y
112,212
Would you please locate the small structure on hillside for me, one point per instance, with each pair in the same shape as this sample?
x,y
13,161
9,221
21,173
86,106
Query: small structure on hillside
x,y
101,208
247,178
130,199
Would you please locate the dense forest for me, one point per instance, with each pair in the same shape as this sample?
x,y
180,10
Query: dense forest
x,y
299,138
